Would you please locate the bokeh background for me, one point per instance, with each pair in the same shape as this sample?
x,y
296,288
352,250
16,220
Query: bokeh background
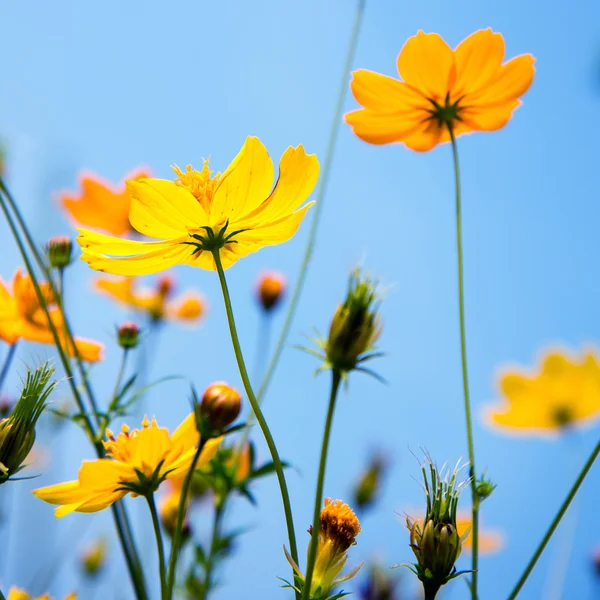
x,y
112,85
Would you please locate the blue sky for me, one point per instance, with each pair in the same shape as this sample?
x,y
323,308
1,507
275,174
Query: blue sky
x,y
107,87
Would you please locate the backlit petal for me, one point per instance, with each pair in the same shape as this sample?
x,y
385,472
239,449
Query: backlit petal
x,y
491,118
275,232
107,244
384,128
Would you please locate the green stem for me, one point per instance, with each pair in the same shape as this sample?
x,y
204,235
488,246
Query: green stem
x,y
465,376
329,154
285,497
314,539
178,533
122,523
159,545
7,362
430,589
216,536
2,596
555,522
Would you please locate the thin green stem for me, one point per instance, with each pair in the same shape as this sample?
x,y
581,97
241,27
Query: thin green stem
x,y
216,536
178,533
7,362
159,545
285,496
555,522
430,589
465,376
314,539
310,244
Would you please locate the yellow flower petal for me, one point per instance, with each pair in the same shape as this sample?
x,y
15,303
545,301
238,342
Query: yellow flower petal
x,y
244,185
427,63
106,244
275,232
385,128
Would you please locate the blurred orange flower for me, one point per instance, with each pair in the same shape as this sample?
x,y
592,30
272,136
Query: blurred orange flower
x,y
156,302
101,205
466,89
562,392
18,594
22,317
489,540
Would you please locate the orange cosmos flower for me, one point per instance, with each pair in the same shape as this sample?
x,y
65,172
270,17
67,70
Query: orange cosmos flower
x,y
466,89
156,303
490,541
562,392
101,205
22,317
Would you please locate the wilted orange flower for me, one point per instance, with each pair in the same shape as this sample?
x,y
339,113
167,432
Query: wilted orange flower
x,y
22,317
101,205
562,392
466,89
17,594
157,302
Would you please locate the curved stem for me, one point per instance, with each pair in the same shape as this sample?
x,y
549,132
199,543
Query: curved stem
x,y
159,544
337,117
178,533
285,496
559,515
314,539
465,376
7,362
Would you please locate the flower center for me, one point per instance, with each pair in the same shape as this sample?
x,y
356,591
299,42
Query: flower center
x,y
199,183
445,114
563,415
339,525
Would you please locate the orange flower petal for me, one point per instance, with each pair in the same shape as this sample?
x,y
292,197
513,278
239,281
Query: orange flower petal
x,y
384,128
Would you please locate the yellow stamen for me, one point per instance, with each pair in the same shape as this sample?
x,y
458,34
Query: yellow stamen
x,y
199,183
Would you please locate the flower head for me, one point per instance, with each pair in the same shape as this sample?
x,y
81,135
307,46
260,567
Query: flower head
x,y
463,90
22,317
270,290
139,461
93,558
235,213
220,405
59,250
156,302
128,334
100,205
564,391
18,594
17,432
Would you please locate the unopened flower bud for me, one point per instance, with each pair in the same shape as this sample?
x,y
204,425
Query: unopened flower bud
x,y
485,487
93,558
355,326
165,285
270,290
368,485
59,250
220,405
128,334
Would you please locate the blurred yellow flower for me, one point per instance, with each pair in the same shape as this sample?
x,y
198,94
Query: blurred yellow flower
x,y
22,317
564,391
236,212
157,302
100,205
94,557
467,89
17,594
140,460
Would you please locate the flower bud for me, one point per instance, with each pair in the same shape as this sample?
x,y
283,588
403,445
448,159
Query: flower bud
x,y
270,290
164,286
93,558
367,486
485,487
355,325
59,250
128,334
220,405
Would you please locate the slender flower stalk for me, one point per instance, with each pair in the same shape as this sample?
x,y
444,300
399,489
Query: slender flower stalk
x,y
159,545
465,375
285,497
310,244
216,536
336,377
555,522
7,362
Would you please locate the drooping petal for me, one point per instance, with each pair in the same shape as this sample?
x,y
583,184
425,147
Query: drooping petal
x,y
162,209
478,60
384,128
107,244
244,185
94,502
62,493
298,174
426,62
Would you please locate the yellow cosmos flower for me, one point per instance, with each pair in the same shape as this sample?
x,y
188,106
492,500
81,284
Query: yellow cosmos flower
x,y
140,460
236,212
466,89
101,205
22,317
17,594
157,302
562,392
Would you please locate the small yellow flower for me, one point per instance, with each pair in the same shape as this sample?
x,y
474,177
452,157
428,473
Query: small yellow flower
x,y
17,594
236,212
101,205
563,392
466,89
94,557
140,460
157,302
22,317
